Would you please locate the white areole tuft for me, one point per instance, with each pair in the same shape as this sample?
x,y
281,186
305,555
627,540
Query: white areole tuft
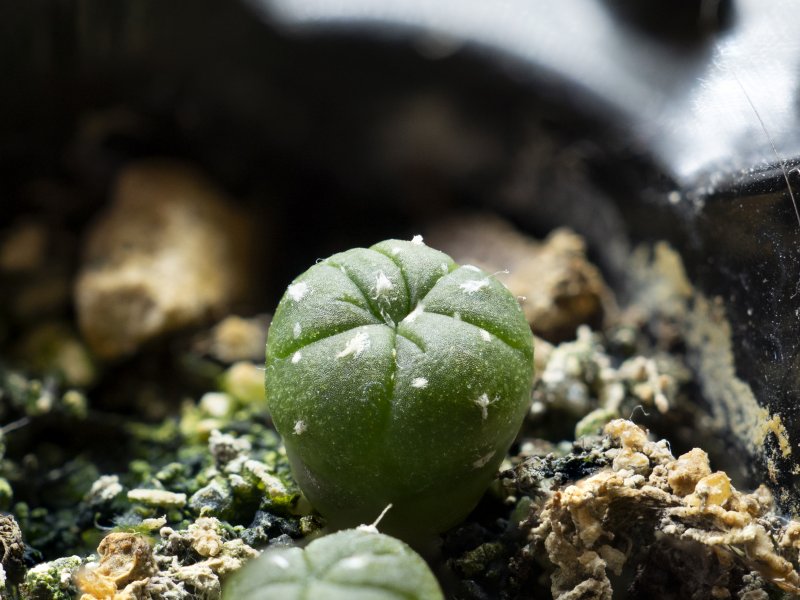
x,y
356,345
297,291
473,285
417,239
382,283
483,403
279,561
419,382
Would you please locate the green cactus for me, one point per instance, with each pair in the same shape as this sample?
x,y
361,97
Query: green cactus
x,y
357,564
397,377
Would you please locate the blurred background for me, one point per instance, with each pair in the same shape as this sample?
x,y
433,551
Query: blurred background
x,y
331,124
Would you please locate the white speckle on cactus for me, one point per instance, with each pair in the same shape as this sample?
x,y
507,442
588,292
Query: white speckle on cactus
x,y
412,316
420,383
296,357
444,268
481,462
279,561
300,427
487,337
483,403
297,330
382,283
297,291
396,250
473,285
417,239
353,562
356,345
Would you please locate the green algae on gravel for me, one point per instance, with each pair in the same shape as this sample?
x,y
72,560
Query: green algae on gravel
x,y
226,464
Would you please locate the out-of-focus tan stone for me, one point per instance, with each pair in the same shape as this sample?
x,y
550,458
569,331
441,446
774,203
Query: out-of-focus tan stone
x,y
54,347
558,287
170,251
235,339
23,247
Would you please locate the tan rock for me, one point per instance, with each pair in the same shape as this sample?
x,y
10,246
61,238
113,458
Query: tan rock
x,y
632,437
686,472
235,339
126,560
125,557
557,286
714,490
170,251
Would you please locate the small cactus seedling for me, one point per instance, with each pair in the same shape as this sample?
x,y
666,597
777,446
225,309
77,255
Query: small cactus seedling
x,y
397,377
348,565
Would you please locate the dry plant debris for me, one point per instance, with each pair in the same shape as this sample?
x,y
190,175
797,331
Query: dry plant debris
x,y
658,516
